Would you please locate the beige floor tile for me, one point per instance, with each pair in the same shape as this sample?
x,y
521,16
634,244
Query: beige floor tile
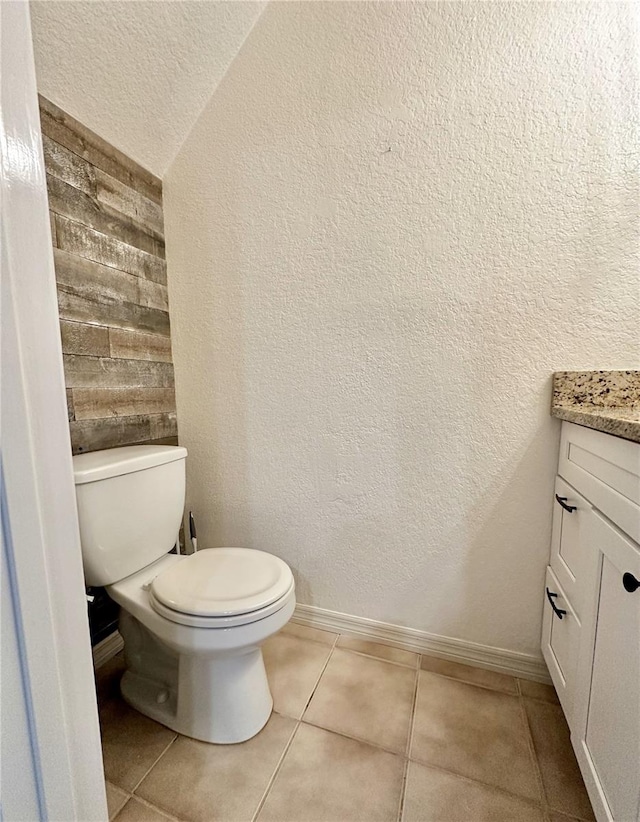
x,y
468,673
305,632
435,796
556,816
563,785
474,732
131,743
538,690
136,811
365,698
293,668
116,798
217,783
328,778
364,646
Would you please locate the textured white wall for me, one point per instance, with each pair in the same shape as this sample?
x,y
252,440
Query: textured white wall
x,y
137,73
390,225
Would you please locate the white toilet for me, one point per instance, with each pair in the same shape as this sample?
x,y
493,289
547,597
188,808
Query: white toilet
x,y
192,625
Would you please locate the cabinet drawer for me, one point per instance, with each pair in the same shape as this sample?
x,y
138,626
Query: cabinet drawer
x,y
573,557
560,640
606,470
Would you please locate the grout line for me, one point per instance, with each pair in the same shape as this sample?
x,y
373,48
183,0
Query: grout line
x,y
354,738
275,773
364,638
284,632
533,753
153,807
127,798
403,791
155,762
413,667
544,702
412,721
515,693
317,682
414,705
533,802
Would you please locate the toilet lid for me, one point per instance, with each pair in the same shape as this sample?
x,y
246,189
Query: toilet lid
x,y
223,582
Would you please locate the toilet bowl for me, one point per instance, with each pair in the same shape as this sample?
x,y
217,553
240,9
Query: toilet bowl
x,y
192,625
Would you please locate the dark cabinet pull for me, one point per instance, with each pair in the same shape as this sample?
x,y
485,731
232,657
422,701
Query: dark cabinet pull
x,y
630,583
557,611
563,502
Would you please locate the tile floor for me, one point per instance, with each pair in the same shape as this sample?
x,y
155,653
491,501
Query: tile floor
x,y
360,731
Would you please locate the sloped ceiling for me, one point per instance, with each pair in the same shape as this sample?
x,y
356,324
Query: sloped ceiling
x,y
137,73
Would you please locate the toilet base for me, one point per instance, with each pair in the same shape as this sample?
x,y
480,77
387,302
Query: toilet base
x,y
226,700
222,698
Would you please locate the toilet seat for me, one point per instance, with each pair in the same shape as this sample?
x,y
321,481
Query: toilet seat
x,y
222,587
194,621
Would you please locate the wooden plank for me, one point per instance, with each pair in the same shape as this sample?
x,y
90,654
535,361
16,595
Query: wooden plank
x,y
121,199
78,308
96,282
81,338
98,403
153,295
79,239
137,346
70,411
164,425
104,372
69,132
70,202
101,283
163,441
93,435
67,166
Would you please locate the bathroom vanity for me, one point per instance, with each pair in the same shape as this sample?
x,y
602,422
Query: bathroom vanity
x,y
591,623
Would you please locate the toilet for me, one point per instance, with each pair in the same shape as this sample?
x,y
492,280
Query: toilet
x,y
192,625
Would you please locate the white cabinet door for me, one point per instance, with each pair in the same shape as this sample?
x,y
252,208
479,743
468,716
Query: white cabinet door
x,y
610,744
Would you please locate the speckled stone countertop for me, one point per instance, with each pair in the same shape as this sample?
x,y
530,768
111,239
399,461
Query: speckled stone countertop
x,y
608,401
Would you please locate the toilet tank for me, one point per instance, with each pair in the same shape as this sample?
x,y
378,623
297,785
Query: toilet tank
x,y
130,505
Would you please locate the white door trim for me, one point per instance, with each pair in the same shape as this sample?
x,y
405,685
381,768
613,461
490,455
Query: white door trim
x,y
43,544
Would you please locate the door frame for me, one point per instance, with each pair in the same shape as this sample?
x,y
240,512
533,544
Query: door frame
x,y
41,542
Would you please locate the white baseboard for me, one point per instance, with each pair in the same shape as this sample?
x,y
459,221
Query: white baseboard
x,y
525,666
109,647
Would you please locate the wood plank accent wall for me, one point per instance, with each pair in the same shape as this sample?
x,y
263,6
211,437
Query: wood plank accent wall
x,y
108,236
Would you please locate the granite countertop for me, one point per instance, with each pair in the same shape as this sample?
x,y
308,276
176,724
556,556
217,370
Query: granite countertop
x,y
608,401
